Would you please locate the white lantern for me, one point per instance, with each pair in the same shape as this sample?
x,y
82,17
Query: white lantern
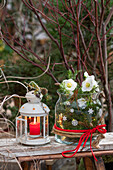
x,y
32,124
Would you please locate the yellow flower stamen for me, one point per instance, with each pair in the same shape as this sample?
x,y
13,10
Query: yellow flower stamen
x,y
87,85
69,85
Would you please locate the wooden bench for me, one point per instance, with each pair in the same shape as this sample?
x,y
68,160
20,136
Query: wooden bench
x,y
26,156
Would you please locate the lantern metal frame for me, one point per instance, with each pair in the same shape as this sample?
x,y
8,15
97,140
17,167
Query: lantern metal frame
x,y
36,110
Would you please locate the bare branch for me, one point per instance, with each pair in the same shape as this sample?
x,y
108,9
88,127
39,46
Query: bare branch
x,y
109,17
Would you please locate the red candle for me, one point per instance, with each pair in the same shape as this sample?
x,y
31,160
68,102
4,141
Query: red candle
x,y
34,128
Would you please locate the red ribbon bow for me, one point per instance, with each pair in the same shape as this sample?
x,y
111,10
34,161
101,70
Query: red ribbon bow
x,y
84,137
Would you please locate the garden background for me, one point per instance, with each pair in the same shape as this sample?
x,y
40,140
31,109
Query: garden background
x,y
53,37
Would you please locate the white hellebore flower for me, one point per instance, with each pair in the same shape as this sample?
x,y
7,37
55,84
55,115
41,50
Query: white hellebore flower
x,y
74,122
81,102
70,84
64,118
86,74
90,111
89,83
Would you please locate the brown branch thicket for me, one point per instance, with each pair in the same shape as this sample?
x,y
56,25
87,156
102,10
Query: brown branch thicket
x,y
88,33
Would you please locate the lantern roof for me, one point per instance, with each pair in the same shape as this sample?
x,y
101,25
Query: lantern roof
x,y
36,108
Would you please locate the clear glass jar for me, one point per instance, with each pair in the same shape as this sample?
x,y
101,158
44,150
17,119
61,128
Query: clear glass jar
x,y
76,112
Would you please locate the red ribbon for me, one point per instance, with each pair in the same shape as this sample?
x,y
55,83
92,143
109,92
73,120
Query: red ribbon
x,y
84,137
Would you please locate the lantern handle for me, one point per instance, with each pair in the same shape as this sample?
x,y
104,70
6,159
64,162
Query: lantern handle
x,y
34,86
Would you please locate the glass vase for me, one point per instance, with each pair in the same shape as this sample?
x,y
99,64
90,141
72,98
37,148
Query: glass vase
x,y
76,112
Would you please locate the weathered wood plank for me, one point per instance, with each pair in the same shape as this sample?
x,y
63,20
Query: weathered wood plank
x,y
59,156
10,148
88,162
99,164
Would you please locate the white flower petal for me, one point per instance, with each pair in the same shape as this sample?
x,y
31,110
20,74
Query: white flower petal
x,y
97,89
71,110
100,112
67,103
86,74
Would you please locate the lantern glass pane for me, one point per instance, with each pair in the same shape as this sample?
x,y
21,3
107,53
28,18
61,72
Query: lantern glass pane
x,y
21,128
29,120
18,127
